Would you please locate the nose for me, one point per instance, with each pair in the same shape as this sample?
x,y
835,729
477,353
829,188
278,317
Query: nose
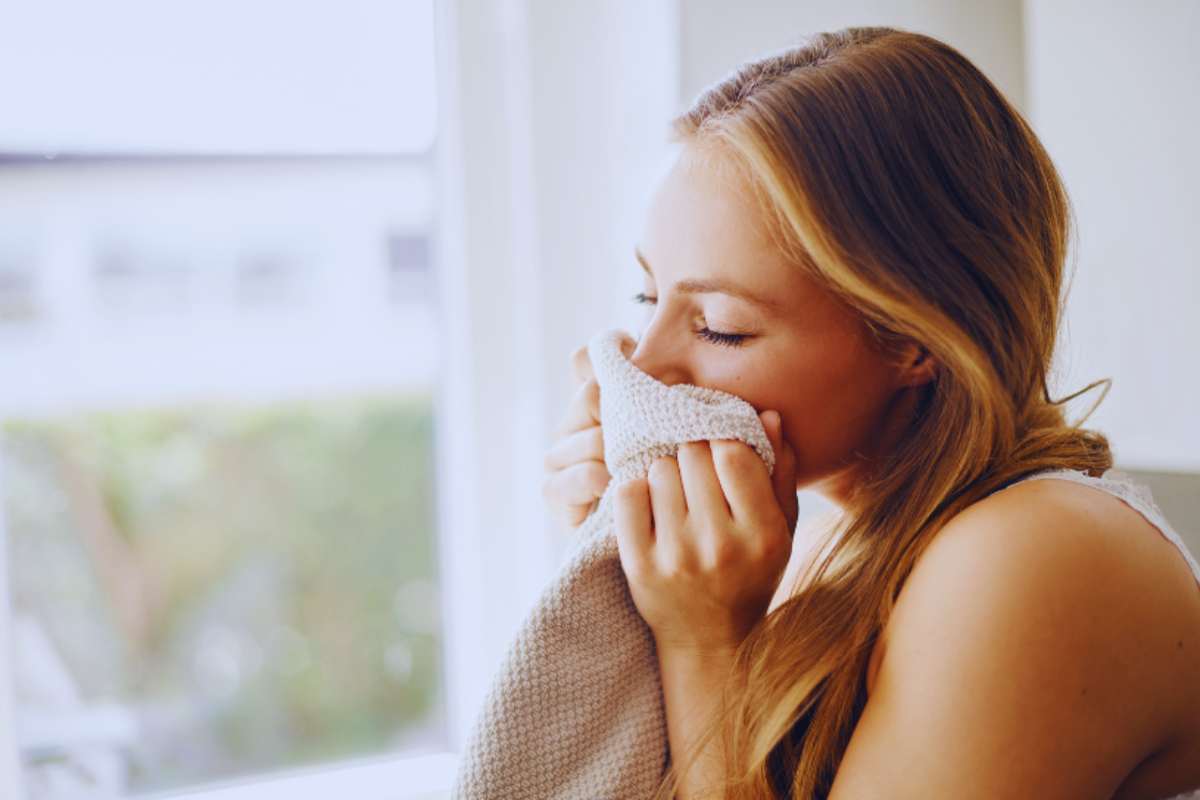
x,y
656,355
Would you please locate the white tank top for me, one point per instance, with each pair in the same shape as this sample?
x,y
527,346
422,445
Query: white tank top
x,y
1137,496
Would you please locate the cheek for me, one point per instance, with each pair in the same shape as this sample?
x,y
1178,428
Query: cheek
x,y
830,396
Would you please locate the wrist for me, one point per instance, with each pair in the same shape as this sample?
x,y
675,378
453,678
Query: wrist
x,y
696,652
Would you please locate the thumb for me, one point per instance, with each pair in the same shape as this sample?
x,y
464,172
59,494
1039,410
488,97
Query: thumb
x,y
783,476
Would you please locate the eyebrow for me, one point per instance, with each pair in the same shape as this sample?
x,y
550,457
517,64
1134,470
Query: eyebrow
x,y
692,286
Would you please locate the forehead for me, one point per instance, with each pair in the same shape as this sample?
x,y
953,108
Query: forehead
x,y
704,221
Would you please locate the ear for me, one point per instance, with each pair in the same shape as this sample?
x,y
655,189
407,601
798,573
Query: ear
x,y
917,365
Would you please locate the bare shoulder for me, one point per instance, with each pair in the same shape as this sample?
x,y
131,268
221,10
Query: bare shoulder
x,y
1057,536
1074,555
1047,625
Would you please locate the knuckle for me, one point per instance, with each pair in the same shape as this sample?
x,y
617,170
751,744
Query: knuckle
x,y
580,484
576,515
632,567
723,552
579,397
692,449
762,548
660,468
702,528
596,475
688,562
596,442
732,454
770,548
672,566
629,490
683,454
581,363
577,356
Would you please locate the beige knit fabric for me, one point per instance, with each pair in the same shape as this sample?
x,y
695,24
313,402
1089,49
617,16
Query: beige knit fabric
x,y
576,708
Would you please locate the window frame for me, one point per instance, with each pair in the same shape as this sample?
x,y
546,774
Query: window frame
x,y
421,777
513,118
403,776
10,767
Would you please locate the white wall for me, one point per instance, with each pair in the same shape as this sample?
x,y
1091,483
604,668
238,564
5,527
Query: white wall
x,y
1112,90
1115,96
718,35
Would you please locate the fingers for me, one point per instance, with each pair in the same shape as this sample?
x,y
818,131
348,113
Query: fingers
x,y
584,445
772,426
573,516
581,364
668,508
632,518
783,478
577,474
584,409
571,490
744,479
666,492
701,486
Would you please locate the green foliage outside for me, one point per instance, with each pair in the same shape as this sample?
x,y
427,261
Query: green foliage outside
x,y
256,586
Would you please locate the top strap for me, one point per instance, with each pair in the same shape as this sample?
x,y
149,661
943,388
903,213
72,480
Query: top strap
x,y
1135,494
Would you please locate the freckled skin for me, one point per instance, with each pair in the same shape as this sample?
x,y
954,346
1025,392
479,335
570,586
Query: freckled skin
x,y
813,360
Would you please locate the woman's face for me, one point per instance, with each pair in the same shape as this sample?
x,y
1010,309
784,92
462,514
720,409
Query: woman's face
x,y
729,313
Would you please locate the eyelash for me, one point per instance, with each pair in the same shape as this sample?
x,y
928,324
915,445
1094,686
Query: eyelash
x,y
726,339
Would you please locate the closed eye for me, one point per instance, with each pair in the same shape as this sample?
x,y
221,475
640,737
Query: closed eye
x,y
727,339
716,337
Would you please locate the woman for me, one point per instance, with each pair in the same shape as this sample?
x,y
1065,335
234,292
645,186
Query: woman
x,y
862,238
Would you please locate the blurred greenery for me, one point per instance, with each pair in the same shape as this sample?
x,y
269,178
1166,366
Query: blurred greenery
x,y
258,586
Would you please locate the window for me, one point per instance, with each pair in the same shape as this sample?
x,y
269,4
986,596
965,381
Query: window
x,y
217,328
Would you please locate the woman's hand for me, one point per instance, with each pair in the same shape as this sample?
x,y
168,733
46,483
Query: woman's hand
x,y
704,539
576,473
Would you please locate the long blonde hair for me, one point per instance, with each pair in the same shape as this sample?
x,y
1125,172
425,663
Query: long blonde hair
x,y
896,173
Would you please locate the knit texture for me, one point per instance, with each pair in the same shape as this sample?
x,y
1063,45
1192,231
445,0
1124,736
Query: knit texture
x,y
576,709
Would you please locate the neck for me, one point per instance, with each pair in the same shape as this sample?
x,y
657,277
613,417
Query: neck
x,y
839,485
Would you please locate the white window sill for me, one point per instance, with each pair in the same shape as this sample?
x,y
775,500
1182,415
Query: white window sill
x,y
425,777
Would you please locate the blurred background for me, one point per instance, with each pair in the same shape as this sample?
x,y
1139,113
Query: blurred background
x,y
287,296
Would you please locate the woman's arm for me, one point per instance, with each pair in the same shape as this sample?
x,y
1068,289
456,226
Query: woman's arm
x,y
704,539
692,681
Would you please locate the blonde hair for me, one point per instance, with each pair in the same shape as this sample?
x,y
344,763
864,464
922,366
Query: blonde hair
x,y
893,171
